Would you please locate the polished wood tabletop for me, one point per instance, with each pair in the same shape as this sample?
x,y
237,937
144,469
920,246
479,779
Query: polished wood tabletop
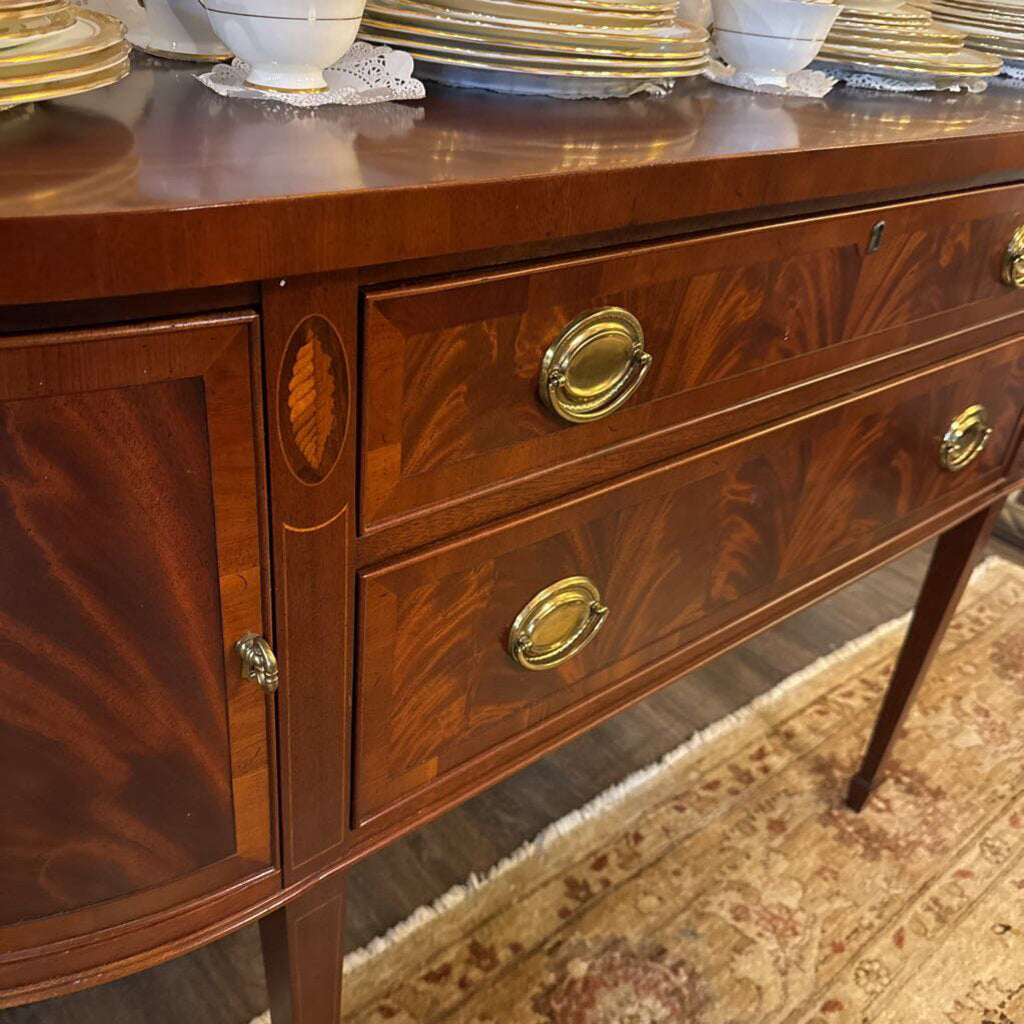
x,y
158,183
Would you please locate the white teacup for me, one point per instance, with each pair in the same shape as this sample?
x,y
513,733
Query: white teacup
x,y
180,29
287,43
770,39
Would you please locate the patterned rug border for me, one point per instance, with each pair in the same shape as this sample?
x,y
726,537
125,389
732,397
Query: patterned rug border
x,y
629,786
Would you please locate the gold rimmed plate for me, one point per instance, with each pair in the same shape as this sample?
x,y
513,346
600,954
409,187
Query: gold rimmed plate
x,y
571,69
66,70
1011,15
35,9
661,7
551,43
91,32
983,8
56,90
520,13
442,17
905,17
535,59
928,44
1009,32
965,63
947,42
32,29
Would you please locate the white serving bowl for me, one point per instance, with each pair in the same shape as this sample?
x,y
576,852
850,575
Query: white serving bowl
x,y
770,39
287,43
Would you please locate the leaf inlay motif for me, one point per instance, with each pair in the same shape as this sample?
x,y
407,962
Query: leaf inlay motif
x,y
311,404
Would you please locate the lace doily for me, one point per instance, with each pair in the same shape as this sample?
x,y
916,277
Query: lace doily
x,y
1012,75
886,83
366,74
800,83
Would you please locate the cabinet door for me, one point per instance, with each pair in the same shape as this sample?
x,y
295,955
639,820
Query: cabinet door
x,y
135,762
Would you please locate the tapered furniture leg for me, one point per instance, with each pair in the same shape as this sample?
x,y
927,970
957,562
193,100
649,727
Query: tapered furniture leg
x,y
303,949
954,557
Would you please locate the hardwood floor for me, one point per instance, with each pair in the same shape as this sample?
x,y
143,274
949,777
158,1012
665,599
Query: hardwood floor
x,y
223,983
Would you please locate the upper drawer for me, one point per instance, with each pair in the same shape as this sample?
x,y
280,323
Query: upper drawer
x,y
451,403
678,553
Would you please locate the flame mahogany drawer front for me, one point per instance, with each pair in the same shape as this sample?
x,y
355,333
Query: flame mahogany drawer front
x,y
451,402
654,563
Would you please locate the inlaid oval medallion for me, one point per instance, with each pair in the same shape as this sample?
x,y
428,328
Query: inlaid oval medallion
x,y
313,399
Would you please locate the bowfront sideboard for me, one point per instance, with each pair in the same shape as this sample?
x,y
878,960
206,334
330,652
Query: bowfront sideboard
x,y
350,462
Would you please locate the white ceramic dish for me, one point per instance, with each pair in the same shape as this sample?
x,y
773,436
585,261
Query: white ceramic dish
x,y
287,54
179,29
770,39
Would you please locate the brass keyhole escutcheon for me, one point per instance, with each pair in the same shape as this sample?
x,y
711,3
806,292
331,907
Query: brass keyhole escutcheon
x,y
594,365
557,624
1013,260
258,661
965,439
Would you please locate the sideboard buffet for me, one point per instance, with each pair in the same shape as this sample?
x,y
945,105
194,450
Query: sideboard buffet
x,y
351,461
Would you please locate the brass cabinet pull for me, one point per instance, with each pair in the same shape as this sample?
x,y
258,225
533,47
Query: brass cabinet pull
x,y
258,661
1013,260
965,439
594,365
557,624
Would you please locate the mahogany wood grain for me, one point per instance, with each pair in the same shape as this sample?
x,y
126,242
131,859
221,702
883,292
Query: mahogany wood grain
x,y
450,406
303,953
310,342
458,172
953,560
133,538
678,551
832,373
755,473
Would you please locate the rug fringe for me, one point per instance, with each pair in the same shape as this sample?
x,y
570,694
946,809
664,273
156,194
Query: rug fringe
x,y
618,792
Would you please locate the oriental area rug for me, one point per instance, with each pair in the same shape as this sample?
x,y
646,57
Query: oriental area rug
x,y
729,884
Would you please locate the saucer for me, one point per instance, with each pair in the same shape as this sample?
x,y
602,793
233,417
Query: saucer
x,y
155,46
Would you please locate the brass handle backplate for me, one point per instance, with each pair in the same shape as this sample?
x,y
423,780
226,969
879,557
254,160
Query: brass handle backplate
x,y
258,661
1013,260
557,624
965,439
594,365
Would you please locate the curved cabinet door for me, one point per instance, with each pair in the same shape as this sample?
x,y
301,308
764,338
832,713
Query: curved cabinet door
x,y
136,799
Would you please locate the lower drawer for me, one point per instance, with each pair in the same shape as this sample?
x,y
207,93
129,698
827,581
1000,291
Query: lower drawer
x,y
671,554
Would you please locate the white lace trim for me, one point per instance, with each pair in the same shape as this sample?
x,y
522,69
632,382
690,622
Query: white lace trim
x,y
894,83
799,83
366,74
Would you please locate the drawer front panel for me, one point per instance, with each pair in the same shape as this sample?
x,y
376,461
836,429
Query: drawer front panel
x,y
673,552
451,399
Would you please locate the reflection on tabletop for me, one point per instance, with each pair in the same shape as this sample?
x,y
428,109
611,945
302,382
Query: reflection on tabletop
x,y
158,136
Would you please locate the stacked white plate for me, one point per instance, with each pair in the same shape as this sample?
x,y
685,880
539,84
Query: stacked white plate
x,y
554,47
904,42
54,48
994,26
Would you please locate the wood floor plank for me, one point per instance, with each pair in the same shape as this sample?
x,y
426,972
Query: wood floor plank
x,y
223,983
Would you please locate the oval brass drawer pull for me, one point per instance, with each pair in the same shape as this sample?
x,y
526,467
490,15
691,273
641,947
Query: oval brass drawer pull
x,y
557,624
965,439
1013,260
258,661
594,365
